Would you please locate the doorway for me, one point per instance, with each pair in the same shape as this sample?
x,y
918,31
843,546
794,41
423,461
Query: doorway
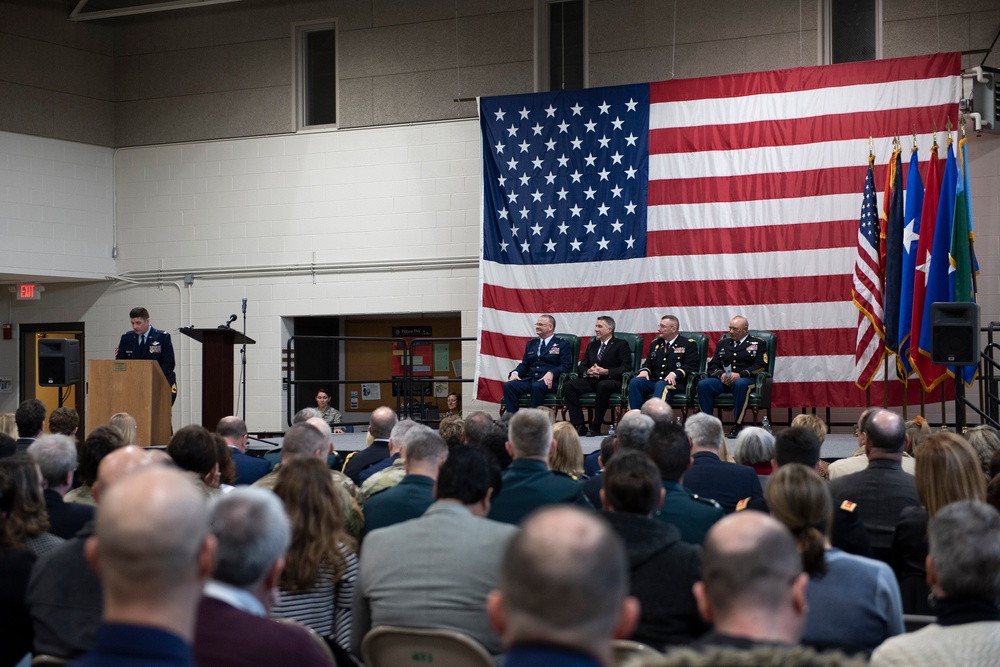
x,y
71,396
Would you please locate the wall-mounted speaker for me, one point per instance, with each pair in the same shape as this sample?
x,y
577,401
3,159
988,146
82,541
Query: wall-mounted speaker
x,y
58,362
955,333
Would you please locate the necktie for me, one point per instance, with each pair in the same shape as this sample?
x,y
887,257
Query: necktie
x,y
142,340
600,352
541,343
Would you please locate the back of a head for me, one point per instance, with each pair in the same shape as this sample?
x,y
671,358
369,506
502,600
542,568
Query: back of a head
x,y
231,427
567,456
885,430
144,555
381,422
670,450
633,431
658,410
753,446
64,421
631,483
947,470
305,414
477,426
19,484
303,440
798,497
797,445
530,434
55,455
253,532
495,442
965,548
30,416
125,423
467,475
563,578
452,430
813,423
119,463
99,443
192,448
8,446
401,431
425,446
749,564
320,425
986,441
704,430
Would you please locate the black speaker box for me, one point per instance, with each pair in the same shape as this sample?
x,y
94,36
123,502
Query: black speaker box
x,y
955,333
58,362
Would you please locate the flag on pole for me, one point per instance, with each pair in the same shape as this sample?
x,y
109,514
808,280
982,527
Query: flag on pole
x,y
968,205
960,255
939,266
867,291
921,363
911,234
892,249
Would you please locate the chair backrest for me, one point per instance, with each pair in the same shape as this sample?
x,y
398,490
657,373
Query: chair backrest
x,y
390,646
324,648
574,344
913,622
624,650
771,339
702,341
635,344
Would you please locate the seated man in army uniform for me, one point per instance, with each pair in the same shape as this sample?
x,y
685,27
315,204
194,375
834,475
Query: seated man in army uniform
x,y
669,364
734,367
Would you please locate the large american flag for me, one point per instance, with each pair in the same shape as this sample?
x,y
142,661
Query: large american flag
x,y
705,198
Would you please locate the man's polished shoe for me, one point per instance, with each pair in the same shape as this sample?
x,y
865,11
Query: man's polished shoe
x,y
735,431
582,431
593,434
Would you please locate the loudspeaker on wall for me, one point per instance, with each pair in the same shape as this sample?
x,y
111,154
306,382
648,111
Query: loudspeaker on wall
x,y
58,362
955,333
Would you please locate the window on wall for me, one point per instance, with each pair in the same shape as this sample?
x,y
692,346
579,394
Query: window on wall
x,y
852,30
562,44
316,75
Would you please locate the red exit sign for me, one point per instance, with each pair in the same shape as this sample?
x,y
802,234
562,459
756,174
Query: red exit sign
x,y
28,291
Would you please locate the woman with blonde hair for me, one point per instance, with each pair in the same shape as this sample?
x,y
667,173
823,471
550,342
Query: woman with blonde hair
x,y
567,457
947,470
854,602
812,422
125,423
321,564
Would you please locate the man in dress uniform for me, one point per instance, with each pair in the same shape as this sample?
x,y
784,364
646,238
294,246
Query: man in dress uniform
x,y
606,360
145,342
734,367
669,364
545,358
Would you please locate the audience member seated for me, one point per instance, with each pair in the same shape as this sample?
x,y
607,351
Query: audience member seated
x,y
986,442
670,450
528,483
454,402
321,564
730,484
813,423
153,565
858,460
592,485
248,468
233,630
963,572
30,419
64,594
389,471
64,421
916,430
436,571
125,423
226,478
755,448
452,430
8,446
27,523
475,428
854,602
658,410
56,459
193,449
495,442
567,455
947,471
15,567
662,567
633,432
99,443
880,491
379,426
563,591
425,452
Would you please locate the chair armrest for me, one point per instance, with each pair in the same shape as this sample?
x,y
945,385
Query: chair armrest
x,y
626,378
763,381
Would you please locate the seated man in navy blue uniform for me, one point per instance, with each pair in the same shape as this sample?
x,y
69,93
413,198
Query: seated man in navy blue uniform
x,y
734,367
545,359
669,364
145,342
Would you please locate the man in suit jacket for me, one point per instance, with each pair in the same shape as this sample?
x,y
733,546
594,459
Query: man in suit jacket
x,y
233,628
436,571
730,484
380,427
248,468
145,342
606,360
425,452
545,359
56,457
671,361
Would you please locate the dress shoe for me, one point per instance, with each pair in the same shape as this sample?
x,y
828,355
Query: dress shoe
x,y
582,431
735,431
594,434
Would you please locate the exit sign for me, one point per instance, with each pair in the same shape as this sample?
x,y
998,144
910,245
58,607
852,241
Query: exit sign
x,y
29,291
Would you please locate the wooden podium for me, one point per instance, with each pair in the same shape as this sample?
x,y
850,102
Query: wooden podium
x,y
136,387
216,371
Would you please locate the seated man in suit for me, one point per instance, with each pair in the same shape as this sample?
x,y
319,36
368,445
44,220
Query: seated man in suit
x,y
56,458
669,364
606,360
734,367
248,468
545,359
731,484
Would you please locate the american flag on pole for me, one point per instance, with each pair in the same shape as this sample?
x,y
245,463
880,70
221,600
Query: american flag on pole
x,y
870,348
704,198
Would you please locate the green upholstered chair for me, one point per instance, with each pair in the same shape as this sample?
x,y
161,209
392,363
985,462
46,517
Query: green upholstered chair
x,y
686,402
554,399
619,400
760,395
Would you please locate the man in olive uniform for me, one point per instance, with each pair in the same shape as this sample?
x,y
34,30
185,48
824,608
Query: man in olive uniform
x,y
670,450
734,367
669,364
528,483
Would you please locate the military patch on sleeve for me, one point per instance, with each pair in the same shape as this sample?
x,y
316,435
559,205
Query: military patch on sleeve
x,y
765,357
848,506
742,505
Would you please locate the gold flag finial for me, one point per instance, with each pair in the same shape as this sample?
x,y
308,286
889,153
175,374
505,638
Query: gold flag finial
x,y
914,137
871,147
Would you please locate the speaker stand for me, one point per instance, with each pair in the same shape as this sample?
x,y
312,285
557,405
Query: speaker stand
x,y
959,403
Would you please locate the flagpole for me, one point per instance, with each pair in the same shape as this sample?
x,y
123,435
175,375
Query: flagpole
x,y
944,410
885,374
